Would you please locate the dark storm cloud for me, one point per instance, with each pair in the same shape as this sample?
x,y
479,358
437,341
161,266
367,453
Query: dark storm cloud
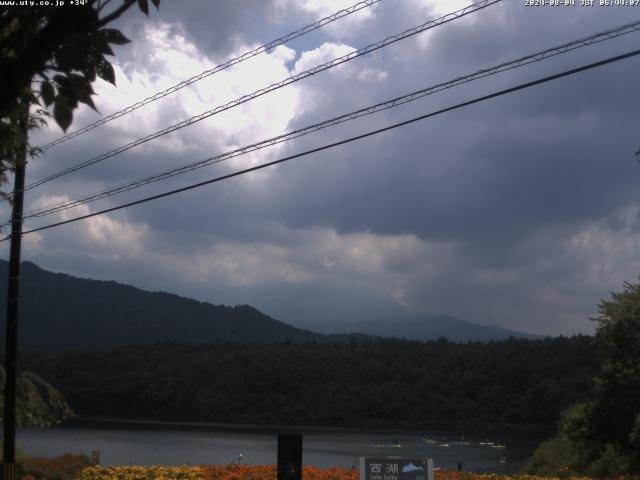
x,y
559,153
516,202
216,26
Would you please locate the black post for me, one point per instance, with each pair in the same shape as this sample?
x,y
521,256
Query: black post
x,y
289,457
11,347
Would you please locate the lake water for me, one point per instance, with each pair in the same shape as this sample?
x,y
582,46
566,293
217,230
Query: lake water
x,y
140,445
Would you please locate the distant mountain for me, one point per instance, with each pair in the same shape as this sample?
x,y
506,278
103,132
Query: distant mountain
x,y
429,327
434,327
61,312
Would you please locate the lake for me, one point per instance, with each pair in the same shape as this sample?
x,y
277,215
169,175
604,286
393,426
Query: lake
x,y
151,444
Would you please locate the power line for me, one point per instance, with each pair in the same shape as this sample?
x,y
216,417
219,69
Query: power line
x,y
522,61
343,142
275,86
218,68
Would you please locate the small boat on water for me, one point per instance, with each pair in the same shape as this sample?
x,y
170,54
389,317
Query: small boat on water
x,y
430,441
486,443
498,445
459,441
443,445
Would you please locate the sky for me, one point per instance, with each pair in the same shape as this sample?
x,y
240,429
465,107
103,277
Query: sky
x,y
521,211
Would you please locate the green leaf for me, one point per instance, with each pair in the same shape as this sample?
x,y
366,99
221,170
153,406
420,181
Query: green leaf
x,y
68,94
144,6
69,57
75,79
83,91
102,46
105,71
88,100
80,84
62,114
114,36
70,97
90,73
48,93
61,80
30,97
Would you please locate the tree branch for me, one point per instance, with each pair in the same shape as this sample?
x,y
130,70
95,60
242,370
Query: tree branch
x,y
103,4
116,13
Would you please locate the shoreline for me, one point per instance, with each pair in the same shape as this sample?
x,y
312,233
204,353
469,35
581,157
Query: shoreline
x,y
142,424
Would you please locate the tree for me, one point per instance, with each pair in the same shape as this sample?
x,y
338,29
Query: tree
x,y
61,49
39,403
603,433
614,416
64,49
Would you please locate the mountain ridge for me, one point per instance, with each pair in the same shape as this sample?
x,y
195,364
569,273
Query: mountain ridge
x,y
63,312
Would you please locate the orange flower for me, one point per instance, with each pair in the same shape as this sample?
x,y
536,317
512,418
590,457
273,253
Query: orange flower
x,y
269,472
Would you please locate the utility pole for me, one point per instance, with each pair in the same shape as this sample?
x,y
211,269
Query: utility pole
x,y
11,347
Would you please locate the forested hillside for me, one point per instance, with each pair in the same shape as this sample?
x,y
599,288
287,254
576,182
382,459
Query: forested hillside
x,y
60,312
507,384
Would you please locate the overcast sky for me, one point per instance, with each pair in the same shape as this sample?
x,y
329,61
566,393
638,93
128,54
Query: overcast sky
x,y
521,211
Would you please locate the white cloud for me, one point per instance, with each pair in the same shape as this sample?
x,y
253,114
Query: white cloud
x,y
610,254
323,54
99,237
327,7
442,7
372,75
250,264
314,257
284,53
432,9
164,58
345,27
251,121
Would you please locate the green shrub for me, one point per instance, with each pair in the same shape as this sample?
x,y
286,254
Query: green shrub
x,y
555,457
609,463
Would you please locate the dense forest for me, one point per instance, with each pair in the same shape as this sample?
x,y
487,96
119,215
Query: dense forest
x,y
514,384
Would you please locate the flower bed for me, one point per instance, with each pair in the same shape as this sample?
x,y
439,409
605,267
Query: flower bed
x,y
268,472
211,472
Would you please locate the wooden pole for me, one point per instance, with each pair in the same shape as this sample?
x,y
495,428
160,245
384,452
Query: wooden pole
x,y
11,346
